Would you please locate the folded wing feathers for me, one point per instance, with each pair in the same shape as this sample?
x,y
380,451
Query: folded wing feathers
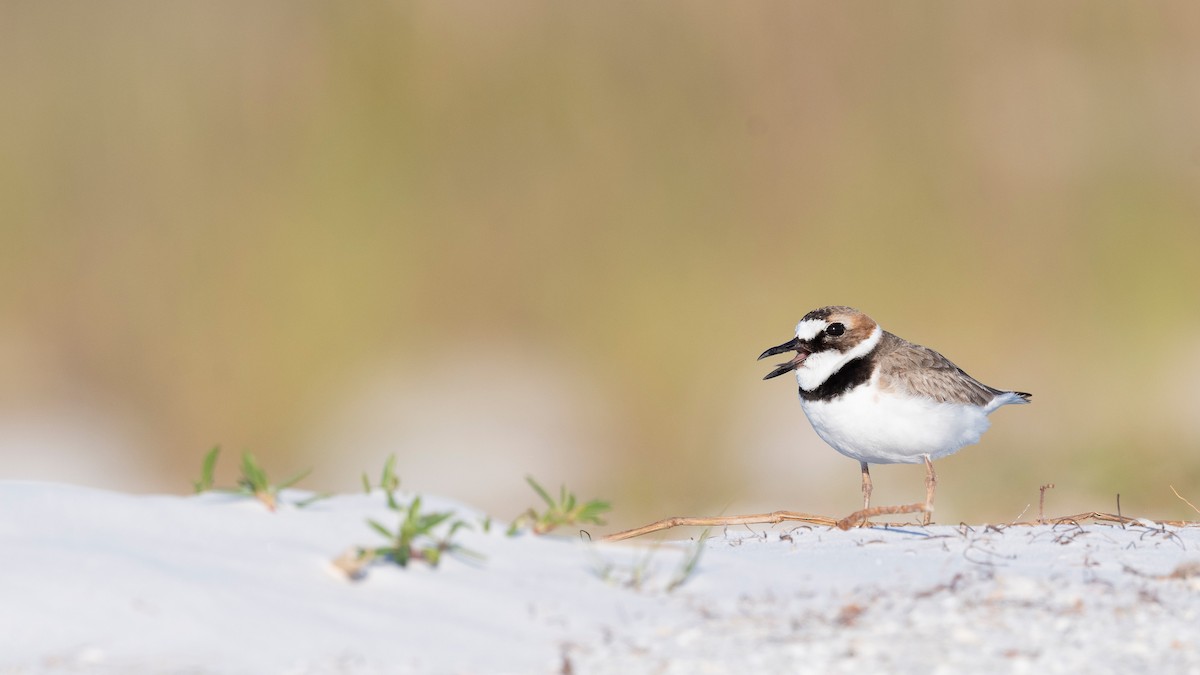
x,y
921,371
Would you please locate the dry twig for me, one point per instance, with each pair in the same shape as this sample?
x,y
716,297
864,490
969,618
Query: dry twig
x,y
861,516
1184,500
1042,503
1105,518
720,521
772,518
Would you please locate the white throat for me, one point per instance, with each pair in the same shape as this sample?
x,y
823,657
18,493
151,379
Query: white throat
x,y
821,366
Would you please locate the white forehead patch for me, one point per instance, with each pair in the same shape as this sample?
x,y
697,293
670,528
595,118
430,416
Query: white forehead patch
x,y
810,328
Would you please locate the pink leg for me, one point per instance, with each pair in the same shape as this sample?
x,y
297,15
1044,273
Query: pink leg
x,y
866,485
930,486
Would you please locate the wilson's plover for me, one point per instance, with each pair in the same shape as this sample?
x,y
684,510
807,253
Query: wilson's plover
x,y
881,399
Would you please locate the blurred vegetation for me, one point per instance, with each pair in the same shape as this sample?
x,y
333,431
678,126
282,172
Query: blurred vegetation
x,y
580,223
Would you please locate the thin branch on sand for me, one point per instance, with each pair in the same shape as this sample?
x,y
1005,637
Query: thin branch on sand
x,y
1042,502
772,518
861,517
720,521
1184,500
1106,518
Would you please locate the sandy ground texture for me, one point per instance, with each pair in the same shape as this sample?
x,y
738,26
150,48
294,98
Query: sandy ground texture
x,y
101,582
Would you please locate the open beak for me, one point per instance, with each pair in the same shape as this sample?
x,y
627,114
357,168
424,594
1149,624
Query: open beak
x,y
793,345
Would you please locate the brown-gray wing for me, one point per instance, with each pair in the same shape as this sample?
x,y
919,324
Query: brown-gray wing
x,y
920,371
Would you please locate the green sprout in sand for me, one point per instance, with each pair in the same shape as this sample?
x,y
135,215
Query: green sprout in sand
x,y
253,481
566,510
389,482
414,539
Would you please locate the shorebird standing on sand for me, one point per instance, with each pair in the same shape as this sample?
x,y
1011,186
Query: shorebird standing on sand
x,y
880,399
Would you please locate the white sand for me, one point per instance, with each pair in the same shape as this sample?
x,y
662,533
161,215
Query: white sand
x,y
102,582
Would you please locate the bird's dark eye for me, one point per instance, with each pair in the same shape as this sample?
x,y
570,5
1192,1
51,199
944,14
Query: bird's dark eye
x,y
835,329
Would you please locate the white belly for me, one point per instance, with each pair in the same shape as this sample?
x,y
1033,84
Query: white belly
x,y
878,428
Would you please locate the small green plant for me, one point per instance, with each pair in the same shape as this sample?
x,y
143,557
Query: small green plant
x,y
253,481
414,538
207,467
389,482
565,511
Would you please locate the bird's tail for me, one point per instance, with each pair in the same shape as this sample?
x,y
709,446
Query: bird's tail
x,y
1007,398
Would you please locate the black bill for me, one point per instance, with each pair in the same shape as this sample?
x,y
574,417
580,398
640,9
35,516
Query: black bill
x,y
793,345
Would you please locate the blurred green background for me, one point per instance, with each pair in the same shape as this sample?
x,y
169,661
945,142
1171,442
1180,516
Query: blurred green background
x,y
551,238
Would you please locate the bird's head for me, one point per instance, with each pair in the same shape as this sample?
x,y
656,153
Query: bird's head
x,y
826,339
